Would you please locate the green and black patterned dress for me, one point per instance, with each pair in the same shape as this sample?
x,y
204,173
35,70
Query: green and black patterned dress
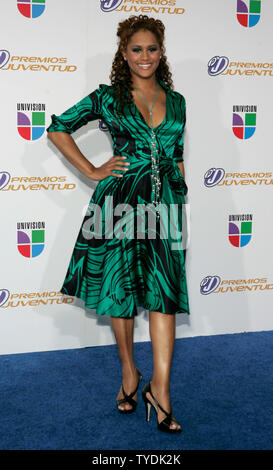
x,y
115,274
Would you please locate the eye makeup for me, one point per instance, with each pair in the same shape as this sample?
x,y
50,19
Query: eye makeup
x,y
139,49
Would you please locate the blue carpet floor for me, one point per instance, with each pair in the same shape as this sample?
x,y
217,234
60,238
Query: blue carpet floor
x,y
221,391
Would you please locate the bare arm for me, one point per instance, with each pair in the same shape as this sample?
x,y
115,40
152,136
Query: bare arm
x,y
181,167
66,144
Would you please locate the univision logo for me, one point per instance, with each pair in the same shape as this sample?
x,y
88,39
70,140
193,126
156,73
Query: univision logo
x,y
244,124
30,238
31,125
239,234
31,8
248,17
217,65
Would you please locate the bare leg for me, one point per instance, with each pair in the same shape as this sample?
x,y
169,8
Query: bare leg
x,y
162,333
124,332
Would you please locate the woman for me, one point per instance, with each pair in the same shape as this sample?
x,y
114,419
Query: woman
x,y
115,275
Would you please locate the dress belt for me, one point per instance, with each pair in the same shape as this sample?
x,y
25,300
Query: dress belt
x,y
157,159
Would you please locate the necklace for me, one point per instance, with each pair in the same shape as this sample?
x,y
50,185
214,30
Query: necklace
x,y
156,183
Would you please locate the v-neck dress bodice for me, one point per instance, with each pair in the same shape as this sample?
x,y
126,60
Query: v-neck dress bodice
x,y
115,275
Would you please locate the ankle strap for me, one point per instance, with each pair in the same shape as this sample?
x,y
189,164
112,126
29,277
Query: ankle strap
x,y
129,398
169,415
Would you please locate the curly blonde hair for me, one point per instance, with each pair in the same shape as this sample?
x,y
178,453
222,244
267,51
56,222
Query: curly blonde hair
x,y
120,75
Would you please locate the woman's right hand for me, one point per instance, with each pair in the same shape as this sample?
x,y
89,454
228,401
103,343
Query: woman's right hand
x,y
114,163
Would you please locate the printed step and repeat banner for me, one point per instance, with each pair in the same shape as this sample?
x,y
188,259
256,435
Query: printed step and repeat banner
x,y
55,52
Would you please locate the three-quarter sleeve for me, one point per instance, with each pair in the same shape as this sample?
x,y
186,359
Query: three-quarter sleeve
x,y
178,153
86,110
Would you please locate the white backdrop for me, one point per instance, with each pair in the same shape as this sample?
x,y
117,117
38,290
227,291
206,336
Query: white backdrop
x,y
52,54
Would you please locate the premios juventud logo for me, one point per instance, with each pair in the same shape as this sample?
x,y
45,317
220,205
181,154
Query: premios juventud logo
x,y
31,120
103,126
248,12
31,8
4,179
222,65
26,63
9,182
142,6
214,284
216,176
4,58
4,296
9,299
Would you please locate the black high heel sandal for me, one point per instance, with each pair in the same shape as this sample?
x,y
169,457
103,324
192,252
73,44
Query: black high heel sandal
x,y
165,424
128,398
